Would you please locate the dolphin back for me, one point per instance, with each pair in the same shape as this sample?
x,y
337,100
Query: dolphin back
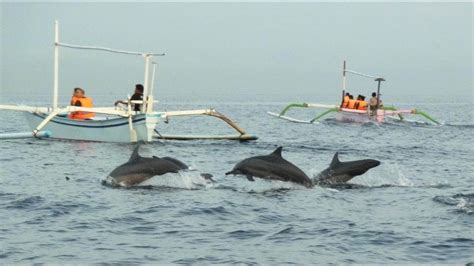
x,y
341,172
272,166
139,169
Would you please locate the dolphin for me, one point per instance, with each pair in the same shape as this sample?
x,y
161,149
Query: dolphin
x,y
341,172
271,166
139,169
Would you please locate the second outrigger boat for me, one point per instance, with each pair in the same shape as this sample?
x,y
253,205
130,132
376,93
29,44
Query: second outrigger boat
x,y
115,125
378,114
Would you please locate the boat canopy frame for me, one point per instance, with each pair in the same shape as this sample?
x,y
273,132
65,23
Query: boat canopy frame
x,y
147,102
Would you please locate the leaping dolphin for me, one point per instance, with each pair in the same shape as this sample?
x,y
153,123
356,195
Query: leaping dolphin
x,y
271,166
340,172
139,169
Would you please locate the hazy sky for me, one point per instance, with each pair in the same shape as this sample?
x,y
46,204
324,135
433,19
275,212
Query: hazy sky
x,y
246,48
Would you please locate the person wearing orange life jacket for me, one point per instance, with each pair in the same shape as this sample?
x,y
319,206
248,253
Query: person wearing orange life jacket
x,y
345,101
351,103
78,99
362,103
356,105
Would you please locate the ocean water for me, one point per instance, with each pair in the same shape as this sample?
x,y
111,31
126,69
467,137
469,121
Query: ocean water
x,y
416,207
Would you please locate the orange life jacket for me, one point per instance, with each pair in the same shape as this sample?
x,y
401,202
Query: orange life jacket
x,y
83,102
351,104
362,105
356,105
345,102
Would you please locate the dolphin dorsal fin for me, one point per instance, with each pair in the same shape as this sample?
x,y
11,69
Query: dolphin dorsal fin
x,y
335,160
277,152
135,154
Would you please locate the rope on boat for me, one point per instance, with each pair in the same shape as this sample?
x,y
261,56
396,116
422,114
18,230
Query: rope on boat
x,y
105,49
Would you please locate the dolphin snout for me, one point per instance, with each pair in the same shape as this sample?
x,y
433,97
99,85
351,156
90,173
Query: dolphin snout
x,y
372,163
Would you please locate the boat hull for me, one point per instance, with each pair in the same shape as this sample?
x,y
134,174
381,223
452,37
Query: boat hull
x,y
359,116
106,130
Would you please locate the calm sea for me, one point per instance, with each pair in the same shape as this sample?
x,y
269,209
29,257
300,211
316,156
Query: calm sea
x,y
416,207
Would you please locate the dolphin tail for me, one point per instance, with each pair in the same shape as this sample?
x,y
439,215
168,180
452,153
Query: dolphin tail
x,y
207,177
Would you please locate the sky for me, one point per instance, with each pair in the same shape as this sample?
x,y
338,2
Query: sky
x,y
241,50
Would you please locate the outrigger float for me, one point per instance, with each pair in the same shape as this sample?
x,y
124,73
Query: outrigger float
x,y
380,114
114,124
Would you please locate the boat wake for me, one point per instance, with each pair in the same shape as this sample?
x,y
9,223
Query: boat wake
x,y
461,126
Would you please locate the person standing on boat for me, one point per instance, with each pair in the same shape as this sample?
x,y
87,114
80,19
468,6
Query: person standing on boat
x,y
79,99
137,96
373,102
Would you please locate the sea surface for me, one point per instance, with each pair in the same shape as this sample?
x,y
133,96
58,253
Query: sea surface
x,y
416,207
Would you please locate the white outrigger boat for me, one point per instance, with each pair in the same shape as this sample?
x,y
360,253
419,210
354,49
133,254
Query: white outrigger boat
x,y
114,124
380,114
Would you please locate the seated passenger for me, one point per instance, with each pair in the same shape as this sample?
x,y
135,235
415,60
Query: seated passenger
x,y
137,96
345,102
352,102
362,103
359,98
78,99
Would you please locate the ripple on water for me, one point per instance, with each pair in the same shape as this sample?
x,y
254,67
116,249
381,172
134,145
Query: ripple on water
x,y
464,203
245,234
27,203
219,212
128,219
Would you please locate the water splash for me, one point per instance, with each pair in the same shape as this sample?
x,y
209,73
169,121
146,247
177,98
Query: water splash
x,y
183,180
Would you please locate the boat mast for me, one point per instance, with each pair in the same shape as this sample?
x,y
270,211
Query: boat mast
x,y
56,65
343,82
145,82
344,76
152,86
379,80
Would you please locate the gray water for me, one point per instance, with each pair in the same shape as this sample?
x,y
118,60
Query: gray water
x,y
417,206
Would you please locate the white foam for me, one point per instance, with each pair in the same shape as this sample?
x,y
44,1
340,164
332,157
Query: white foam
x,y
183,179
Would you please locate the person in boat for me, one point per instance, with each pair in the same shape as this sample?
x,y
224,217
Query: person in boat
x,y
351,103
373,102
79,99
137,96
356,105
362,104
345,101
